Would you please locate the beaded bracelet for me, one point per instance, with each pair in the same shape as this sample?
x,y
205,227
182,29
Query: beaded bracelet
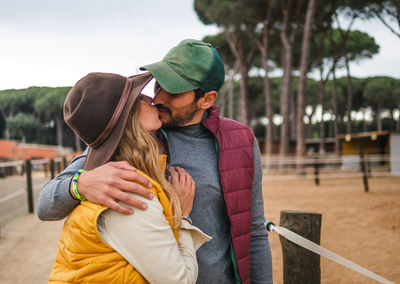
x,y
187,218
74,187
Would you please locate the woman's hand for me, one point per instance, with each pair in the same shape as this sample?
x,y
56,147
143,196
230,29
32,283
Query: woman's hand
x,y
184,187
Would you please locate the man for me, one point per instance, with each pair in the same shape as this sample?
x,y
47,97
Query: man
x,y
221,155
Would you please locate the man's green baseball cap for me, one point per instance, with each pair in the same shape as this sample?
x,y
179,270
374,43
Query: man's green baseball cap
x,y
190,65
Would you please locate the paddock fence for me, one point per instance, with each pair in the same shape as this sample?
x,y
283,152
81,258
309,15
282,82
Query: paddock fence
x,y
21,180
320,167
20,184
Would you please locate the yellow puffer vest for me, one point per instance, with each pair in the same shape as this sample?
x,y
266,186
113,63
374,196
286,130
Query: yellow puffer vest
x,y
83,257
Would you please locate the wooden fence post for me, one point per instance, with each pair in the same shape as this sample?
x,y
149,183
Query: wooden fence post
x,y
64,160
46,170
52,174
299,264
363,167
29,185
316,171
58,167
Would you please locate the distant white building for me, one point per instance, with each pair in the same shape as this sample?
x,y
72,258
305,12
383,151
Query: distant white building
x,y
395,154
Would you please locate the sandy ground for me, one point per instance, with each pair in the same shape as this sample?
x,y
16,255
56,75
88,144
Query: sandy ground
x,y
363,227
27,250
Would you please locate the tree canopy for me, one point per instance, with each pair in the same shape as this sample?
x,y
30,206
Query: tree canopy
x,y
265,35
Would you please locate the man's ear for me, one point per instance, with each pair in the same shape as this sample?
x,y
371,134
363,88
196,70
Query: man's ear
x,y
208,99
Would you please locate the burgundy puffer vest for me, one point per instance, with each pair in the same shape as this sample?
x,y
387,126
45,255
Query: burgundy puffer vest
x,y
236,169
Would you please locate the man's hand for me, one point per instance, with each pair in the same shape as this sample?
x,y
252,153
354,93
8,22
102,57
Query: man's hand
x,y
184,187
108,184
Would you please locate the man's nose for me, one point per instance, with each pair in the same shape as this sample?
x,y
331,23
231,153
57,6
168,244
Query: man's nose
x,y
160,97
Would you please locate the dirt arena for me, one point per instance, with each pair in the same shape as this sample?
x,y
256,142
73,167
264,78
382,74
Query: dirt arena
x,y
362,227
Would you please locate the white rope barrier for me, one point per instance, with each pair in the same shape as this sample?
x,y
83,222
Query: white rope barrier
x,y
303,242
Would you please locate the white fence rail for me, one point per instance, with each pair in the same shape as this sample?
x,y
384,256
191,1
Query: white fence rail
x,y
327,166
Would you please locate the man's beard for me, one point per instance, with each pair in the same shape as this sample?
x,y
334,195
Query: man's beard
x,y
181,118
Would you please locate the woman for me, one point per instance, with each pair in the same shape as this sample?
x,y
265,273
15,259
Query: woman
x,y
99,245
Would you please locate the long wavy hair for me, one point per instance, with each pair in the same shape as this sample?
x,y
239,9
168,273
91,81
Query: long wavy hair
x,y
140,149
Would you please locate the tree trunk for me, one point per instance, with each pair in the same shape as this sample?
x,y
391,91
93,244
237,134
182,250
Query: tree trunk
x,y
321,91
286,82
335,112
321,94
364,111
309,127
305,54
243,85
78,144
223,93
349,96
378,118
263,48
59,130
284,102
292,117
385,21
330,129
344,37
7,133
222,101
268,107
6,130
321,102
244,70
275,131
230,93
392,121
235,42
334,95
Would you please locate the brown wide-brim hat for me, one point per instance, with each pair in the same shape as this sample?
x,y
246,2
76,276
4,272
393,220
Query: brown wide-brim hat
x,y
97,109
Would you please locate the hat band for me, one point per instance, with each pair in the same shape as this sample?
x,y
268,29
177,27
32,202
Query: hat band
x,y
117,113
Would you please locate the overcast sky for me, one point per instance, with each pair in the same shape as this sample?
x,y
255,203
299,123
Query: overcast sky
x,y
56,42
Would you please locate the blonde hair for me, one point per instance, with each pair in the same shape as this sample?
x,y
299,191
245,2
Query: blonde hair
x,y
140,149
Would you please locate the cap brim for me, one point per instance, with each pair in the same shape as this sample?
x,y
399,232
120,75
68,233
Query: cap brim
x,y
168,79
104,153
